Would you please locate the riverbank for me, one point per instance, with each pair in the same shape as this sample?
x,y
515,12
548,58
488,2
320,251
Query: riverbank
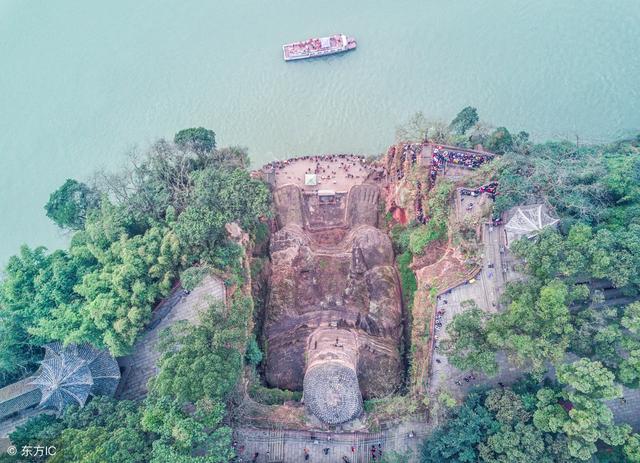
x,y
74,103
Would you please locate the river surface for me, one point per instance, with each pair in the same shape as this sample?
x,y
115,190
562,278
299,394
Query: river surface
x,y
82,82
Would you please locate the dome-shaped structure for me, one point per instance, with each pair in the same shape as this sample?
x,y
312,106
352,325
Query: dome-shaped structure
x,y
332,393
527,221
69,374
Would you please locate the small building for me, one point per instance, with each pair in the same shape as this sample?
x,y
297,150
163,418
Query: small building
x,y
68,375
327,196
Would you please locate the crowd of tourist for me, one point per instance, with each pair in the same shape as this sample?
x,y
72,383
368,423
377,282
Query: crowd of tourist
x,y
409,151
328,168
312,45
375,451
490,188
440,157
468,159
350,165
318,158
439,317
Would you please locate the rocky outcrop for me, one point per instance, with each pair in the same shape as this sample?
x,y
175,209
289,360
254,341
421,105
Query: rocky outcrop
x,y
333,324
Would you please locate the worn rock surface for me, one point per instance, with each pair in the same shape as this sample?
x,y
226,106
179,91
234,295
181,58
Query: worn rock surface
x,y
333,324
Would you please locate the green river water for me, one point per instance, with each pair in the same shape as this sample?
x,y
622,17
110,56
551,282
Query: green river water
x,y
82,82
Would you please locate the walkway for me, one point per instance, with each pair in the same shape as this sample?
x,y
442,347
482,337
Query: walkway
x,y
337,172
498,267
138,367
281,446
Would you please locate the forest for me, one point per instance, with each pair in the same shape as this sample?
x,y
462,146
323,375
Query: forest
x,y
571,325
133,235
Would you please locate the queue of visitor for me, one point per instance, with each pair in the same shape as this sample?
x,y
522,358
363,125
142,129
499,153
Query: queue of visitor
x,y
459,158
419,211
319,157
409,151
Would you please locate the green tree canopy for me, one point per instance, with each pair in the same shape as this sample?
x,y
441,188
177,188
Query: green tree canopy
x,y
466,118
468,347
220,196
579,411
458,438
70,204
198,139
104,430
500,141
494,427
536,326
35,285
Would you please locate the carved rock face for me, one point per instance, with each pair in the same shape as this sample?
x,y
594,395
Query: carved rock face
x,y
333,323
332,393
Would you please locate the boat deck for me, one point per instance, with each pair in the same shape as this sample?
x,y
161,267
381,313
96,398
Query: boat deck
x,y
336,43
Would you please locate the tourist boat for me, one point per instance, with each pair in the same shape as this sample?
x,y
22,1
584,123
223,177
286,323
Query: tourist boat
x,y
318,47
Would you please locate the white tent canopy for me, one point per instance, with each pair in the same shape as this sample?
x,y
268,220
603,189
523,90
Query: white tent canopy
x,y
310,179
528,221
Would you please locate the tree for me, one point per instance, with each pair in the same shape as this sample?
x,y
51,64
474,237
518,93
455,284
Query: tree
x,y
70,204
507,406
116,293
183,435
632,448
133,274
198,139
457,439
631,318
39,428
161,179
536,326
220,196
500,141
202,361
438,212
589,378
199,369
254,355
629,368
36,284
417,128
468,348
523,443
466,118
623,178
521,143
579,411
193,276
495,426
104,430
596,184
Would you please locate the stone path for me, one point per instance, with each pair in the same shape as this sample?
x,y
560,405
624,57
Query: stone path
x,y
138,367
8,426
497,268
281,446
627,409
